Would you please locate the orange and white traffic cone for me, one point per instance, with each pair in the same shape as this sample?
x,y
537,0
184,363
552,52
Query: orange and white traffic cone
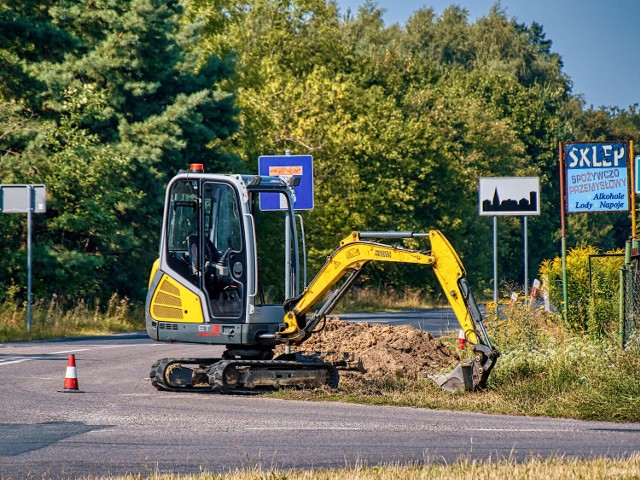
x,y
462,340
71,377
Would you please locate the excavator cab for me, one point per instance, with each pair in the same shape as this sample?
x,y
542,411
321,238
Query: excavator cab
x,y
206,286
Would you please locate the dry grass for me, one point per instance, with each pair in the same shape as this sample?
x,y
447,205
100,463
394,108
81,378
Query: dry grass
x,y
381,299
55,318
534,469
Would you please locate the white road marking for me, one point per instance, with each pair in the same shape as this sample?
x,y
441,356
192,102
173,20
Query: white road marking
x,y
47,356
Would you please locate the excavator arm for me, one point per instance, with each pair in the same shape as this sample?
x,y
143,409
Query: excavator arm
x,y
354,252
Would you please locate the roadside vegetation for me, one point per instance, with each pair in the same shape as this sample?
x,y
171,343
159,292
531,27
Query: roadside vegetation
x,y
543,371
548,366
510,469
55,318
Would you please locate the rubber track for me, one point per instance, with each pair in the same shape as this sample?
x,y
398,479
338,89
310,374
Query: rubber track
x,y
216,367
217,372
158,379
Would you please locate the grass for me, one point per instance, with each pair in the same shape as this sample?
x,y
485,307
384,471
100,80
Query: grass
x,y
534,468
543,371
381,300
54,318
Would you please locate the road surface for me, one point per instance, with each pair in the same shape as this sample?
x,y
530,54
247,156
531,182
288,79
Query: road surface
x,y
436,321
121,424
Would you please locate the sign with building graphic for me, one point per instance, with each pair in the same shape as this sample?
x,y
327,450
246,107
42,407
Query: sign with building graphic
x,y
596,177
509,196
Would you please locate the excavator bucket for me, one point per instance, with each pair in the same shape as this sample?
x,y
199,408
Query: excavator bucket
x,y
469,375
460,378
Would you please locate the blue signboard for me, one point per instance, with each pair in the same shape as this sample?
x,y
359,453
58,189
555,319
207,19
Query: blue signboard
x,y
300,166
596,177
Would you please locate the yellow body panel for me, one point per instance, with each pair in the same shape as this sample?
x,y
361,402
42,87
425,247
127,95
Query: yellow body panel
x,y
173,302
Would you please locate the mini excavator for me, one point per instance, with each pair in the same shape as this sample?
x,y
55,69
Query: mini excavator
x,y
212,285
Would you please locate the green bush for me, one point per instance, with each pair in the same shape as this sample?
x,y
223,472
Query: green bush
x,y
592,289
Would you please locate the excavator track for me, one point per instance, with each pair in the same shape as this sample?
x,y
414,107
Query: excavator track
x,y
240,376
181,374
259,376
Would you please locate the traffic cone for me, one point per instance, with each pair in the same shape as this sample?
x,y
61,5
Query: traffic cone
x,y
71,377
462,340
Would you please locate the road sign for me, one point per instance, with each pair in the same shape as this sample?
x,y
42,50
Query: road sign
x,y
24,199
509,196
596,177
18,198
300,166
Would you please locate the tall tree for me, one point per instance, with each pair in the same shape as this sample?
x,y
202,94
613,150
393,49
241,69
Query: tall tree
x,y
131,103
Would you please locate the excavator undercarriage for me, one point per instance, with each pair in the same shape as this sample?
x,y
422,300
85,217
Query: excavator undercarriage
x,y
242,376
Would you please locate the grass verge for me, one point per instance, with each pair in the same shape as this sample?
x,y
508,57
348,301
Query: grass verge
x,y
535,468
542,371
55,319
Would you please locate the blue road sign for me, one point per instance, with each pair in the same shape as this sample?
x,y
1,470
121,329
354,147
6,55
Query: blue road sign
x,y
300,166
596,177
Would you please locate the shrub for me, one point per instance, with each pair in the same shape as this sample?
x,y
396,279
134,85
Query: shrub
x,y
593,283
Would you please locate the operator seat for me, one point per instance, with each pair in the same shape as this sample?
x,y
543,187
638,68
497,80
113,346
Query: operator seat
x,y
211,254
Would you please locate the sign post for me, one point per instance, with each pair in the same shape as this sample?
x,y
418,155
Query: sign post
x,y
300,166
24,199
509,196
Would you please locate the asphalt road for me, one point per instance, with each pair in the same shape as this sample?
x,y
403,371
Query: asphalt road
x,y
121,424
434,320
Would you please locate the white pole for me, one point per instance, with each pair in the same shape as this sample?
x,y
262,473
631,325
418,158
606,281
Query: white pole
x,y
495,259
526,263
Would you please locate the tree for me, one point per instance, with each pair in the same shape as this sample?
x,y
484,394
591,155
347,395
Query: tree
x,y
132,102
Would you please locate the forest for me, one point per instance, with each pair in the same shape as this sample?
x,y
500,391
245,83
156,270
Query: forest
x,y
103,101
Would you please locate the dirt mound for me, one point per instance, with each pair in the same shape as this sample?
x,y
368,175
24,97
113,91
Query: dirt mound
x,y
383,350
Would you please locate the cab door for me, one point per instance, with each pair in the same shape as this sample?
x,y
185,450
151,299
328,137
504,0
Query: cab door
x,y
224,263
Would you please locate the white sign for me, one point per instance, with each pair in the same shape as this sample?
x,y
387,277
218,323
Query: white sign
x,y
509,196
22,198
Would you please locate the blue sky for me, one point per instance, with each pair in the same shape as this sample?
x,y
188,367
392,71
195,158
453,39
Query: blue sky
x,y
598,40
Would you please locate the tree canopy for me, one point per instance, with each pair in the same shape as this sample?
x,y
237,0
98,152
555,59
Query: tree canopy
x,y
104,100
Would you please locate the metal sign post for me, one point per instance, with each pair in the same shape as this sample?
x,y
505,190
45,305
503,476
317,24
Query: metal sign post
x,y
24,199
518,196
300,166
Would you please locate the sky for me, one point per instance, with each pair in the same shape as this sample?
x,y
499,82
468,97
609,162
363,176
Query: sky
x,y
598,40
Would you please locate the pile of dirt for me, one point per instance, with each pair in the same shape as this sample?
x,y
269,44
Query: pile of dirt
x,y
383,351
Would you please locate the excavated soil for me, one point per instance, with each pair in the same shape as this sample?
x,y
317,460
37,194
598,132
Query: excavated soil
x,y
381,351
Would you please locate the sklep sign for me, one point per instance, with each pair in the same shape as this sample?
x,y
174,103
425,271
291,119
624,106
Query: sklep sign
x,y
596,177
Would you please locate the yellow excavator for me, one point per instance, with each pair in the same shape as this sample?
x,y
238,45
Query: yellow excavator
x,y
213,284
